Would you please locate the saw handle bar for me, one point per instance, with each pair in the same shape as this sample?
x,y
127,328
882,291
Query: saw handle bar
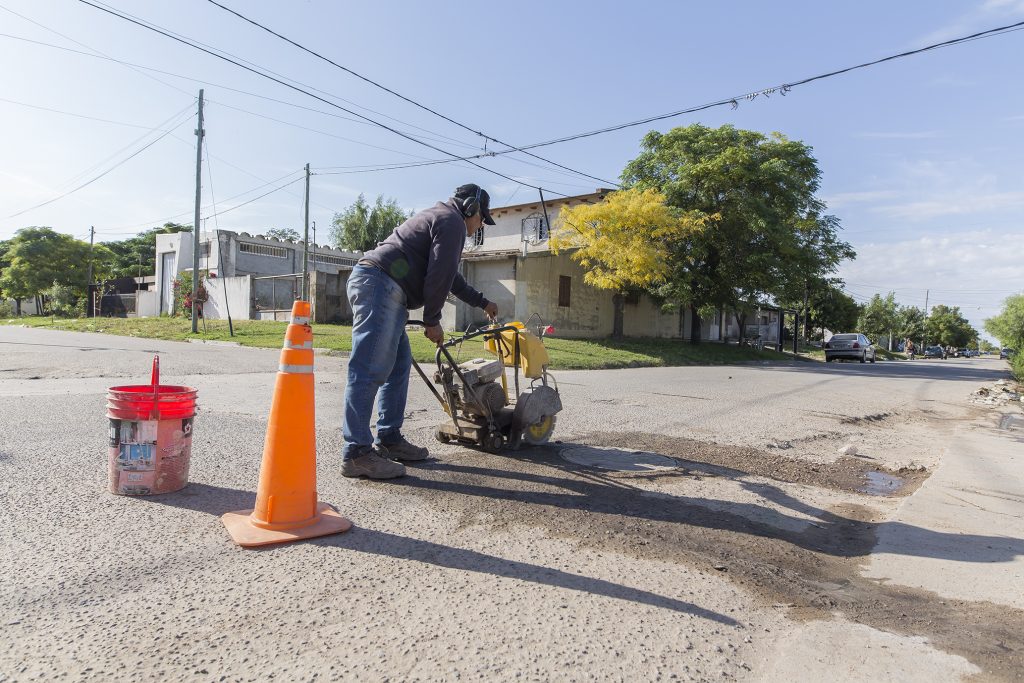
x,y
455,341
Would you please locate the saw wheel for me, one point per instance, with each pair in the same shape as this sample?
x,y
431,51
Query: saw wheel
x,y
538,433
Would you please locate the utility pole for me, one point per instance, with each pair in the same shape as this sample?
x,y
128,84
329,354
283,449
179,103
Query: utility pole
x,y
925,340
195,226
88,277
312,258
305,245
807,317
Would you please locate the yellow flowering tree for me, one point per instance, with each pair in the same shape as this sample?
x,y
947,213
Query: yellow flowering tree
x,y
624,241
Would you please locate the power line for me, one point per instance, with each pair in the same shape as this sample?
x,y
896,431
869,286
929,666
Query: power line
x,y
403,97
274,73
95,52
79,116
113,230
376,168
245,203
780,89
308,94
118,164
137,67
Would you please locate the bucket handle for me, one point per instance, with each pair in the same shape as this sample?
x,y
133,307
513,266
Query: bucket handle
x,y
154,379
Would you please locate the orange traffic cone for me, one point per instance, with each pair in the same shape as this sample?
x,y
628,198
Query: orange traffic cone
x,y
287,508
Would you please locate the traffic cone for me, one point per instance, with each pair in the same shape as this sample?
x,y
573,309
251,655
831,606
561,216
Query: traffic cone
x,y
287,508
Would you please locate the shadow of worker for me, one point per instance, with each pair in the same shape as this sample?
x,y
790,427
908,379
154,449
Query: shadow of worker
x,y
401,547
214,500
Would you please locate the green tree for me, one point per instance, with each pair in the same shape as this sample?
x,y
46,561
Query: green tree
x,y
768,236
284,234
946,326
5,247
878,317
361,226
909,324
41,257
1008,325
832,308
620,241
137,255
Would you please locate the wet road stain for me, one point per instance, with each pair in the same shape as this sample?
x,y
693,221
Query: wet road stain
x,y
769,549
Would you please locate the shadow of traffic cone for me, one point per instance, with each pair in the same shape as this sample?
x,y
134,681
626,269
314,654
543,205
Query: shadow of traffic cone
x,y
287,508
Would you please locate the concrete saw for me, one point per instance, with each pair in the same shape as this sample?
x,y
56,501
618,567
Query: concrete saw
x,y
483,410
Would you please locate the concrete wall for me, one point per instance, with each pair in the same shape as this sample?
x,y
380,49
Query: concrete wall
x,y
589,313
148,304
28,306
497,280
237,300
329,298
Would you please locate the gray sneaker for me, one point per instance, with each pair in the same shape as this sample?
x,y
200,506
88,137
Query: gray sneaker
x,y
373,464
403,450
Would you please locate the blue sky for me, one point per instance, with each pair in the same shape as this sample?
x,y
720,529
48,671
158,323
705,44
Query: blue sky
x,y
921,157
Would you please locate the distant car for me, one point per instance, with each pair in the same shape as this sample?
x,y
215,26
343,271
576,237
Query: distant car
x,y
934,352
962,353
1006,354
852,346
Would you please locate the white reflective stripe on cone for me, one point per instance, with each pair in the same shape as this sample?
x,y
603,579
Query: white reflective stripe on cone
x,y
296,369
300,320
302,346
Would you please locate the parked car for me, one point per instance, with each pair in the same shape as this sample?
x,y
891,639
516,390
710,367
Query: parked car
x,y
852,346
1006,354
934,352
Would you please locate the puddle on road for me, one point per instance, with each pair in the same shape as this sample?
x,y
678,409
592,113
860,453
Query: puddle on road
x,y
881,483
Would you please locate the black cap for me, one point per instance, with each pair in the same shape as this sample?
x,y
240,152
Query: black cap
x,y
469,191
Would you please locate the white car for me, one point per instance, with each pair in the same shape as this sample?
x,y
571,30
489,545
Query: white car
x,y
854,346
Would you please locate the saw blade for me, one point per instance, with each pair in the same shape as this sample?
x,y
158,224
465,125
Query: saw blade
x,y
540,431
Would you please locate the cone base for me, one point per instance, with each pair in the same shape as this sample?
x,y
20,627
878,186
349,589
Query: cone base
x,y
245,534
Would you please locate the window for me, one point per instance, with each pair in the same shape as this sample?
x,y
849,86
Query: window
x,y
564,290
262,250
478,238
336,260
535,228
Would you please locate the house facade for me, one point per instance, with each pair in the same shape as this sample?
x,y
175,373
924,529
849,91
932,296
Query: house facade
x,y
511,262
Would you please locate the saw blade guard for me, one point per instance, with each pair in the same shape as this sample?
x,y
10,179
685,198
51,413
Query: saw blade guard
x,y
520,347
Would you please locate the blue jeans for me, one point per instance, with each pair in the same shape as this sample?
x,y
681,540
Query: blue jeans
x,y
380,362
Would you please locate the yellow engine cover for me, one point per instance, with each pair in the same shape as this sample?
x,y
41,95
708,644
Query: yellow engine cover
x,y
533,357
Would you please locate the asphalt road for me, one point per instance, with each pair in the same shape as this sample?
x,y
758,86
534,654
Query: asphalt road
x,y
749,560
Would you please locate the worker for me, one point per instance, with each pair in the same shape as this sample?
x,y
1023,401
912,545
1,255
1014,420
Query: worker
x,y
417,265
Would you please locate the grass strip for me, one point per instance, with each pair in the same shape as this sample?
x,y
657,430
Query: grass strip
x,y
566,354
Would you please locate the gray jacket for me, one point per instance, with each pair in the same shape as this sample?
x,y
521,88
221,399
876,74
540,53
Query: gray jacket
x,y
422,255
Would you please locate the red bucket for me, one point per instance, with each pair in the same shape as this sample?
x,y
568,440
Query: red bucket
x,y
150,437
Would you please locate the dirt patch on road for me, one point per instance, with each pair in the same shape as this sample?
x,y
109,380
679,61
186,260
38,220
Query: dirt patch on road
x,y
848,473
811,570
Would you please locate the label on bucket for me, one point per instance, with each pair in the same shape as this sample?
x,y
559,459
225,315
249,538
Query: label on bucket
x,y
149,456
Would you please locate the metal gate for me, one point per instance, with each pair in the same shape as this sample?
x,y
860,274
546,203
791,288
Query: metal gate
x,y
274,295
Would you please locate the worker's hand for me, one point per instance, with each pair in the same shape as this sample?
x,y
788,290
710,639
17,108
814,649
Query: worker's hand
x,y
491,309
434,333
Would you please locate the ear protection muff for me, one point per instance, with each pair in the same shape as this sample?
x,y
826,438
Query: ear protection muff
x,y
471,205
